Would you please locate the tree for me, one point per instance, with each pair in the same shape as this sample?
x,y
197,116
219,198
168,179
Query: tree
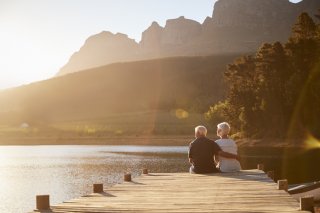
x,y
303,52
217,113
272,69
242,81
304,28
277,89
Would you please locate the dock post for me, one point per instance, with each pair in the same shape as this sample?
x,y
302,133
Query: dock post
x,y
145,171
306,203
271,174
127,177
283,185
98,188
260,166
42,202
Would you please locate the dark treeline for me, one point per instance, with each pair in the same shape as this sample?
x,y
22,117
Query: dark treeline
x,y
276,92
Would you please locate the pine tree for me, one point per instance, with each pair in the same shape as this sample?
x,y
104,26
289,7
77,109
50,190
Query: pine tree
x,y
304,29
242,103
271,66
302,45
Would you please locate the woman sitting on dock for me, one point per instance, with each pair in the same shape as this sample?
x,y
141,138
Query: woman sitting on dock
x,y
227,145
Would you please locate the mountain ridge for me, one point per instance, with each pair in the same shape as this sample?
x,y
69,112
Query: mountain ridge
x,y
234,27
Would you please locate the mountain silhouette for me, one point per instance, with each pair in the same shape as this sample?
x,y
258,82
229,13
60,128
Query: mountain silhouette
x,y
235,27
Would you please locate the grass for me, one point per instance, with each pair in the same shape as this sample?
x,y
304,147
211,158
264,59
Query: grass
x,y
137,128
141,123
151,127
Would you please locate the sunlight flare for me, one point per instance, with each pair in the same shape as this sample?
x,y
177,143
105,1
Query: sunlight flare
x,y
312,142
181,114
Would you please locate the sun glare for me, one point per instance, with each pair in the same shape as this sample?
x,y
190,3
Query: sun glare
x,y
181,114
312,142
29,59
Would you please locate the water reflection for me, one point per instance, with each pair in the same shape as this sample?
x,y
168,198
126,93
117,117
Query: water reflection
x,y
295,164
66,172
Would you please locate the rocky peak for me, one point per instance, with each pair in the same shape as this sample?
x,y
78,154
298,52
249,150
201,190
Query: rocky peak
x,y
180,30
106,38
236,26
251,13
100,49
155,25
151,38
207,20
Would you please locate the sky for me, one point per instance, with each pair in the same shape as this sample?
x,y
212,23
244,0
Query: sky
x,y
37,37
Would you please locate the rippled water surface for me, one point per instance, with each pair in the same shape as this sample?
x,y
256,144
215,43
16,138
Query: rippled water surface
x,y
66,172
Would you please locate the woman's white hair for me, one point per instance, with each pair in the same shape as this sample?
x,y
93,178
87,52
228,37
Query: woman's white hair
x,y
201,130
223,128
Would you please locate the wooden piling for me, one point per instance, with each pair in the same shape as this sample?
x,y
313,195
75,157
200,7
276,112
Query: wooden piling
x,y
260,167
127,177
145,171
283,185
306,203
97,188
271,174
42,202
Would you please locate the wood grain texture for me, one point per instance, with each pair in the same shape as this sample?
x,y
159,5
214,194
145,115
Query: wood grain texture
x,y
245,191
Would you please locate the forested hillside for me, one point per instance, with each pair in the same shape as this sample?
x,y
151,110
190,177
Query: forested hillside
x,y
191,84
275,93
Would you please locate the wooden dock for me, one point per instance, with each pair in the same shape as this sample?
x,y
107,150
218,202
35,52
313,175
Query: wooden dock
x,y
246,191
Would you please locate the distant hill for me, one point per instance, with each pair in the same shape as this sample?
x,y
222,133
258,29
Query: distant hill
x,y
235,27
188,83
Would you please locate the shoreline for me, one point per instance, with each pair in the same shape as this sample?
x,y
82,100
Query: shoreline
x,y
158,140
115,140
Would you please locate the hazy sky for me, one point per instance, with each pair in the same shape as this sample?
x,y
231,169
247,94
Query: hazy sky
x,y
37,37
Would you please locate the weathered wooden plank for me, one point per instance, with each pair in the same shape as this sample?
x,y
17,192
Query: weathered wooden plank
x,y
245,191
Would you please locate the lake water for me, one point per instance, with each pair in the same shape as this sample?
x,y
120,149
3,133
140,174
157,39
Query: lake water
x,y
66,172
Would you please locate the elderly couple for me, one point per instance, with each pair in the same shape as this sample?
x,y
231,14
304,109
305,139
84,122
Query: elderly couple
x,y
208,156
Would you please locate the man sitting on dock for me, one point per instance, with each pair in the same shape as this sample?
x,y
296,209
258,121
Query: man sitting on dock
x,y
202,151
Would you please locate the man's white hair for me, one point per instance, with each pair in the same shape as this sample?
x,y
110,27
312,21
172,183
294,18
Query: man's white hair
x,y
201,130
223,128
